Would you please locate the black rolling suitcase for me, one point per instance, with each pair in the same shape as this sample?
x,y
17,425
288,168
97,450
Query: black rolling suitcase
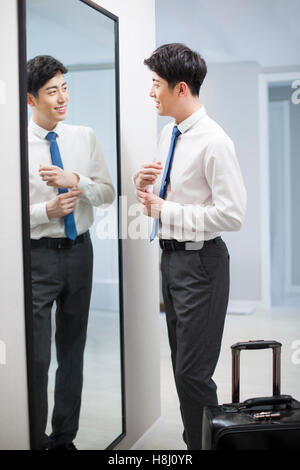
x,y
265,423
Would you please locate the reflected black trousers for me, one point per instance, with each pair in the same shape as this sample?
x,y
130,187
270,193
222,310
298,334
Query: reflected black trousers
x,y
63,276
195,290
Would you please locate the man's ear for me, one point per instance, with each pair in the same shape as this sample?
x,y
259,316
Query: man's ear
x,y
30,100
182,88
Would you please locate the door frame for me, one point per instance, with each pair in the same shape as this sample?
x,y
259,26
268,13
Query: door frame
x,y
265,79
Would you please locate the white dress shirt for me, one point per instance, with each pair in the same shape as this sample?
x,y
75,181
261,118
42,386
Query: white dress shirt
x,y
81,154
206,194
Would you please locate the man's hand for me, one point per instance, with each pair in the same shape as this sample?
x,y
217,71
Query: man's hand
x,y
147,175
58,178
152,204
62,205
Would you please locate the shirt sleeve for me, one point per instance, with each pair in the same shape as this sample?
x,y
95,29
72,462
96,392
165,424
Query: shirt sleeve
x,y
96,186
38,214
226,210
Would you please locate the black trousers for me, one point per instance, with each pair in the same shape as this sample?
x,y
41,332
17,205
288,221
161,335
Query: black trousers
x,y
195,291
64,276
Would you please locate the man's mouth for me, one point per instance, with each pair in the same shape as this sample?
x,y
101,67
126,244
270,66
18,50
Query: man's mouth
x,y
61,109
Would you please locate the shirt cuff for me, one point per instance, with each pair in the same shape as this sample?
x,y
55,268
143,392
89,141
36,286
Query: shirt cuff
x,y
84,181
39,214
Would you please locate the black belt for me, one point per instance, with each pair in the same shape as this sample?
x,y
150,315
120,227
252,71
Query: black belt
x,y
59,243
174,245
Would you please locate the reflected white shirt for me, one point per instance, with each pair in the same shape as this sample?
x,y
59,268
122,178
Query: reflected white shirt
x,y
206,194
81,154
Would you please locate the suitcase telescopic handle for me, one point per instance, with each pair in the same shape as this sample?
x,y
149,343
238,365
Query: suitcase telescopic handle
x,y
258,344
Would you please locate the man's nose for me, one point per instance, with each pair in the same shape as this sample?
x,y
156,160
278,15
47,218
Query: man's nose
x,y
60,97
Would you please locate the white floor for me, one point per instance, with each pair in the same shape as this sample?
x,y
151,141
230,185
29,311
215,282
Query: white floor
x,y
99,402
256,367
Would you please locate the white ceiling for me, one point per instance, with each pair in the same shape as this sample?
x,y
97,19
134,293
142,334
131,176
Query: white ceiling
x,y
265,31
69,30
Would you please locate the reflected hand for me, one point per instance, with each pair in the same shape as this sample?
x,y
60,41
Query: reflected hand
x,y
58,178
152,204
147,175
62,205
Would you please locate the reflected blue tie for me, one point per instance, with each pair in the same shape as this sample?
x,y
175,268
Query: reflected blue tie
x,y
166,176
69,220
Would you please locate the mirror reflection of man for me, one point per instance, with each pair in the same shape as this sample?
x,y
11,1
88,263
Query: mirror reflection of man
x,y
68,176
200,195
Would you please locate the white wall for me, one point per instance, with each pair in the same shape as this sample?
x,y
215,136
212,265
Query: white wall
x,y
141,280
266,31
14,431
141,274
230,95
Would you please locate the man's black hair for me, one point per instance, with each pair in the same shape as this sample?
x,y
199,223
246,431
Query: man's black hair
x,y
178,63
40,69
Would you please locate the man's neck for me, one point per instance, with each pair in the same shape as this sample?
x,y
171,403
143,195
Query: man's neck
x,y
185,113
44,123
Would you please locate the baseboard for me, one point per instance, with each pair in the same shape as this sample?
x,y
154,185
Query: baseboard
x,y
148,436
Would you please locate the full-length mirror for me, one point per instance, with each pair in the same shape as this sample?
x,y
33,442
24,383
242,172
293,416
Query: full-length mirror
x,y
75,363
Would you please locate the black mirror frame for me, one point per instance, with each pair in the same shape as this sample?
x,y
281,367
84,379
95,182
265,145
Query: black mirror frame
x,y
26,213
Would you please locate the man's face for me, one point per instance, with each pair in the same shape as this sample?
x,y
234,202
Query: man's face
x,y
51,104
165,98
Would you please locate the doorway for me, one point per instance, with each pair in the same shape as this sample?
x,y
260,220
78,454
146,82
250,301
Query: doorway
x,y
280,191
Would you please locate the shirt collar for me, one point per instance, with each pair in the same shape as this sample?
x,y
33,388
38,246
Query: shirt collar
x,y
40,131
185,125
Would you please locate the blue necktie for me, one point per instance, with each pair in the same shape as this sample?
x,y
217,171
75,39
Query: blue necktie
x,y
166,176
69,220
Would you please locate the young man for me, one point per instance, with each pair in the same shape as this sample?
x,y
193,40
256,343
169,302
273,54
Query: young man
x,y
199,195
68,176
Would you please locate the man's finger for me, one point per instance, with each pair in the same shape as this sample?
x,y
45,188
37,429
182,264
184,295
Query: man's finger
x,y
68,202
75,192
146,181
146,194
149,175
142,200
157,166
69,194
150,172
47,167
50,179
48,173
68,207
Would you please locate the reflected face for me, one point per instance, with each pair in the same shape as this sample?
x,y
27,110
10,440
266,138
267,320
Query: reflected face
x,y
165,97
50,106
